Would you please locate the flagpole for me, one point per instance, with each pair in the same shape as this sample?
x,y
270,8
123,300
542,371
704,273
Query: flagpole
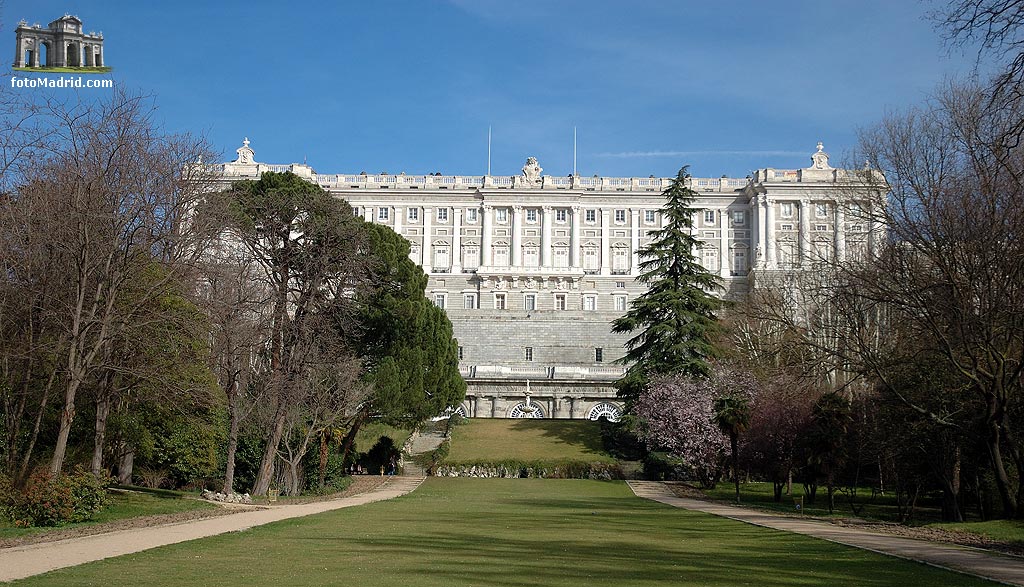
x,y
488,150
574,151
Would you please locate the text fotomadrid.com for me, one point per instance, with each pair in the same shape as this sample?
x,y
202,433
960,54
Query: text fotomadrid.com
x,y
60,82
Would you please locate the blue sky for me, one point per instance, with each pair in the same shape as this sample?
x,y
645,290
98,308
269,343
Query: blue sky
x,y
412,85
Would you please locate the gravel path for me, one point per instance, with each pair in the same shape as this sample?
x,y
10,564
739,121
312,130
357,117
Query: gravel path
x,y
972,561
18,562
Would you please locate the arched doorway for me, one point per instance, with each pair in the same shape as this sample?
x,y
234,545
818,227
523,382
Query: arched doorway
x,y
74,56
45,55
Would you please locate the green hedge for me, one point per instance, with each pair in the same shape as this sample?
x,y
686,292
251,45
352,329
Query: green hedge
x,y
531,469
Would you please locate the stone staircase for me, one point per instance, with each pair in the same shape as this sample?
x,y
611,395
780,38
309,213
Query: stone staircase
x,y
420,443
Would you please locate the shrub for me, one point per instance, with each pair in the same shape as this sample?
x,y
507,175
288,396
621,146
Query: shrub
x,y
46,500
532,469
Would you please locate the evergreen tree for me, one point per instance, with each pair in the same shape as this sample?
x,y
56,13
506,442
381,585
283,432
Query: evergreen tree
x,y
676,316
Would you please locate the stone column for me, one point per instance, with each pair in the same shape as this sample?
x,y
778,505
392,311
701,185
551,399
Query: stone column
x,y
398,219
494,406
485,237
428,241
35,53
545,243
573,402
635,241
805,232
726,253
769,233
840,232
760,245
515,239
574,251
367,213
875,232
457,240
606,247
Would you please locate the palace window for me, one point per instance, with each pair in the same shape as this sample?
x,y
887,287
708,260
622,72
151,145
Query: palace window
x,y
501,256
356,212
786,227
620,217
590,216
821,228
469,301
561,216
461,354
787,254
442,214
412,214
531,216
529,353
501,215
440,300
500,301
787,209
598,355
739,260
620,284
821,210
383,213
590,303
471,257
530,302
561,256
531,258
471,214
620,303
620,260
739,217
441,258
560,301
650,216
709,258
709,217
590,262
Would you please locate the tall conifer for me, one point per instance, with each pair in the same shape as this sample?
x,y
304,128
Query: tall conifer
x,y
676,316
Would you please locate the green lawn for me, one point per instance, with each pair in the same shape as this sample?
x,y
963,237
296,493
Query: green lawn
x,y
141,502
370,433
1009,531
508,532
879,507
498,439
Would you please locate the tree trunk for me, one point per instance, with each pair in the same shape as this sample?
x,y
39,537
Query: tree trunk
x,y
127,466
734,438
350,438
229,467
266,470
67,417
1003,484
26,460
324,453
99,441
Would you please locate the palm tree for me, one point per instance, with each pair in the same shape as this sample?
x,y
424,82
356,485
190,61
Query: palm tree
x,y
732,415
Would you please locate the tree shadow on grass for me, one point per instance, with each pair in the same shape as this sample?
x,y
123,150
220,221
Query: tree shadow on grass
x,y
583,433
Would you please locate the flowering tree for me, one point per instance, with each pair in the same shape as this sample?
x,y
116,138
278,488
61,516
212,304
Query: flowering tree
x,y
677,415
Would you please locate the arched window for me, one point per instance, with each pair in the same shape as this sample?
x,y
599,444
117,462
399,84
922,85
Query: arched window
x,y
521,411
606,410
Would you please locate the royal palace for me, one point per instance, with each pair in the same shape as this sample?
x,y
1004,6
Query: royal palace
x,y
532,269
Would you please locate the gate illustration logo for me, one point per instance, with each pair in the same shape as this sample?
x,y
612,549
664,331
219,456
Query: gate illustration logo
x,y
61,47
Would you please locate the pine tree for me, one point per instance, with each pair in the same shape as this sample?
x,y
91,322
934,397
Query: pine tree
x,y
676,316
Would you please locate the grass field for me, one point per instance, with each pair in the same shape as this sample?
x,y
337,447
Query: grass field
x,y
497,439
1009,531
880,507
140,502
508,532
369,434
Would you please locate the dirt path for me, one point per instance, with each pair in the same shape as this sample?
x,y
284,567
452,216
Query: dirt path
x,y
24,561
972,561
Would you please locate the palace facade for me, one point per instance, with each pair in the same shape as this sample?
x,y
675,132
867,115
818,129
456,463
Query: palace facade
x,y
532,269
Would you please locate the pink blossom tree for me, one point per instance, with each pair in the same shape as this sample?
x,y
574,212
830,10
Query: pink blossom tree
x,y
676,415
